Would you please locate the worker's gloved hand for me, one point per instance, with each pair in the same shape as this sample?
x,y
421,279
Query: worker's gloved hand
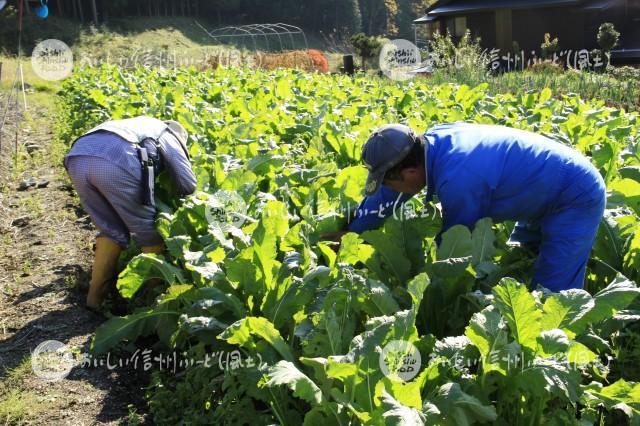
x,y
526,235
335,238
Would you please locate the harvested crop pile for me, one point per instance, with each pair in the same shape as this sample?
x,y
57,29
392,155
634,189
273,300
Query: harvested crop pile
x,y
308,60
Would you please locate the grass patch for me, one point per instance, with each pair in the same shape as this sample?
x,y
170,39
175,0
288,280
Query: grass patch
x,y
618,93
123,42
38,124
169,42
160,42
17,406
35,85
15,376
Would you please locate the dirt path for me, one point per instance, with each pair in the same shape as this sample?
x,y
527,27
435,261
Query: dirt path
x,y
45,256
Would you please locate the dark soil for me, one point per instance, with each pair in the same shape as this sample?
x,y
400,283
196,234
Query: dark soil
x,y
46,244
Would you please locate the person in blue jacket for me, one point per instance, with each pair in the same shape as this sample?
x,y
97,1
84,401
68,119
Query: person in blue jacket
x,y
555,195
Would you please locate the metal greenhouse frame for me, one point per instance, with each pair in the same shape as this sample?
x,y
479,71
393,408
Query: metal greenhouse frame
x,y
274,32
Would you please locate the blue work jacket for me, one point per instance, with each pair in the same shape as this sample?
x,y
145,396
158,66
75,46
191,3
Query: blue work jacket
x,y
489,171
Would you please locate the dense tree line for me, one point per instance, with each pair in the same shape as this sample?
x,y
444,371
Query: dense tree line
x,y
374,17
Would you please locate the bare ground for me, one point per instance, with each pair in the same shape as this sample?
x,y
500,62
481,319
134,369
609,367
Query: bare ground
x,y
45,256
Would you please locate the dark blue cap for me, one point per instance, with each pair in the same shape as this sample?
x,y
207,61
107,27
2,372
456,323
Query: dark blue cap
x,y
386,148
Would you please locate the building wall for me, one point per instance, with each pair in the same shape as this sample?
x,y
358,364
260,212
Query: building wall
x,y
567,24
483,25
500,28
575,28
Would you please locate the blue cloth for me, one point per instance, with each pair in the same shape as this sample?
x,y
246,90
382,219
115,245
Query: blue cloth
x,y
373,210
508,174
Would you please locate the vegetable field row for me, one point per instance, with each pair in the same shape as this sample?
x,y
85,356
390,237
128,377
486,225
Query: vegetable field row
x,y
277,160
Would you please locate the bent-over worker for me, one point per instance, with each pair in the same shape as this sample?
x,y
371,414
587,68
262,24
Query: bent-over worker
x,y
555,195
113,169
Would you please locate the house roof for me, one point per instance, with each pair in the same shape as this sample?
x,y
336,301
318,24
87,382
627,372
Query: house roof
x,y
454,7
425,18
600,4
625,54
458,6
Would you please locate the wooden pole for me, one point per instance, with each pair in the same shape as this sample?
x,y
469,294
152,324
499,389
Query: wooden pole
x,y
24,93
15,153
